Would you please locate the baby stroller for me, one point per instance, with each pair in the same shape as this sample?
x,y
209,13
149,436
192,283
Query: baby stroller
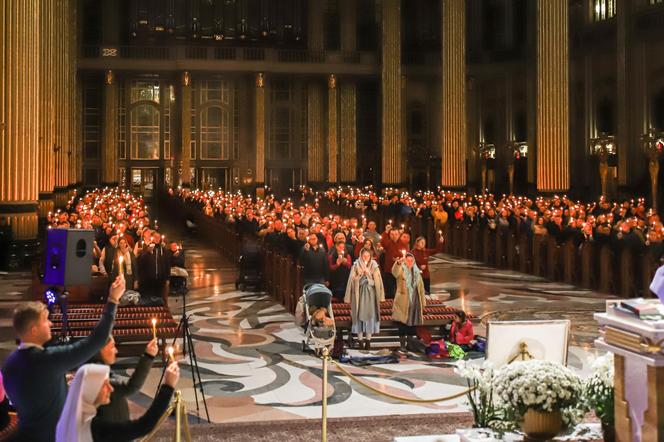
x,y
318,296
251,267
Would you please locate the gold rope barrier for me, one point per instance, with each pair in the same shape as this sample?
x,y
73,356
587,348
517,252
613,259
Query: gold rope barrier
x,y
180,420
326,358
400,398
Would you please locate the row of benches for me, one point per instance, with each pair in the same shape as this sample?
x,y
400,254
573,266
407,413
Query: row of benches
x,y
132,328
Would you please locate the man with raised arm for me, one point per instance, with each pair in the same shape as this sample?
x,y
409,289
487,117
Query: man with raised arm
x,y
34,375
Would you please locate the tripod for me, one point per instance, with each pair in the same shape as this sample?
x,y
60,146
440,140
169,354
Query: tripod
x,y
188,342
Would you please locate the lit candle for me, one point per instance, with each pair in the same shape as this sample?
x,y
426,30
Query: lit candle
x,y
154,328
120,264
403,252
170,350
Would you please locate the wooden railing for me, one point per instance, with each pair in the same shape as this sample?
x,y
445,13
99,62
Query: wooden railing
x,y
282,277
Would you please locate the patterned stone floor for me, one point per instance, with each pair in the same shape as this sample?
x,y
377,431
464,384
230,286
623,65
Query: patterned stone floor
x,y
251,360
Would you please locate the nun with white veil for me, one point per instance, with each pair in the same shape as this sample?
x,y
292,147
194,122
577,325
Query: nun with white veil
x,y
90,389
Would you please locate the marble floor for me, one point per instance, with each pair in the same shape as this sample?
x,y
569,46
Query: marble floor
x,y
250,352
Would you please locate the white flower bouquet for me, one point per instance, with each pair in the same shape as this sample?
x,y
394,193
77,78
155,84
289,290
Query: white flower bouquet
x,y
539,385
598,389
480,380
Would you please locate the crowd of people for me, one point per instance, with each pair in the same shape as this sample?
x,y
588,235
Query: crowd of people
x,y
67,392
127,241
358,263
621,224
92,406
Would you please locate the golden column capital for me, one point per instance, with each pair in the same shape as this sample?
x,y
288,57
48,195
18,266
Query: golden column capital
x,y
109,78
260,80
332,81
186,79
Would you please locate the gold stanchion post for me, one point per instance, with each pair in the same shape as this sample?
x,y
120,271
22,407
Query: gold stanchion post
x,y
178,414
326,356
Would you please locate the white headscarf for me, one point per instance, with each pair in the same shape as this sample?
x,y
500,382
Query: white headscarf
x,y
79,410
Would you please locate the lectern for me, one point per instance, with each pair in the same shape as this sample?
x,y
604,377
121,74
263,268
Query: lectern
x,y
639,374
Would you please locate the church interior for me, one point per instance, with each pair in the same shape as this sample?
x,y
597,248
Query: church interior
x,y
344,220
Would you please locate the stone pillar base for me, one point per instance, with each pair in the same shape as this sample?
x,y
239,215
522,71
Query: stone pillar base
x,y
19,244
61,197
45,204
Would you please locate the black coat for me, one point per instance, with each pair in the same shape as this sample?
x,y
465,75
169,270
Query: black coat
x,y
128,430
118,409
154,264
314,265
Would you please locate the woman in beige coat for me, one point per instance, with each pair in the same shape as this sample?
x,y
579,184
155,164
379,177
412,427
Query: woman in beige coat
x,y
364,292
409,301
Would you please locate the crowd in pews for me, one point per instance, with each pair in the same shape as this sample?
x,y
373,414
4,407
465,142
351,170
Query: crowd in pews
x,y
360,265
622,224
326,245
127,240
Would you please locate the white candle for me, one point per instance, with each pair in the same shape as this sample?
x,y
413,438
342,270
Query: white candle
x,y
154,328
171,358
121,262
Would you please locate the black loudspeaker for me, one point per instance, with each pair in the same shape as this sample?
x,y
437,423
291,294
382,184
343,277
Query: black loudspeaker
x,y
68,257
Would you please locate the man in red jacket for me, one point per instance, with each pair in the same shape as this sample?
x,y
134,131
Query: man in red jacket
x,y
395,246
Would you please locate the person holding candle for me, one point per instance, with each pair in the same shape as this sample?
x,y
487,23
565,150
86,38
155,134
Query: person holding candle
x,y
314,262
409,302
34,375
340,262
108,255
154,269
117,410
394,244
365,292
125,263
90,389
422,255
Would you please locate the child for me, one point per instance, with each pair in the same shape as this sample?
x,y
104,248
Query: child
x,y
320,318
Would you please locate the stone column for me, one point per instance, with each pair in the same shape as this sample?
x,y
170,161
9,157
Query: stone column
x,y
348,96
348,169
315,28
553,96
260,129
109,147
348,28
19,116
332,129
454,137
185,115
315,134
46,102
72,98
62,107
392,155
110,32
625,106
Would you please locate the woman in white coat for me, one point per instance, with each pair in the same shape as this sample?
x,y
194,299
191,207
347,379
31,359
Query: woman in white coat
x,y
364,292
